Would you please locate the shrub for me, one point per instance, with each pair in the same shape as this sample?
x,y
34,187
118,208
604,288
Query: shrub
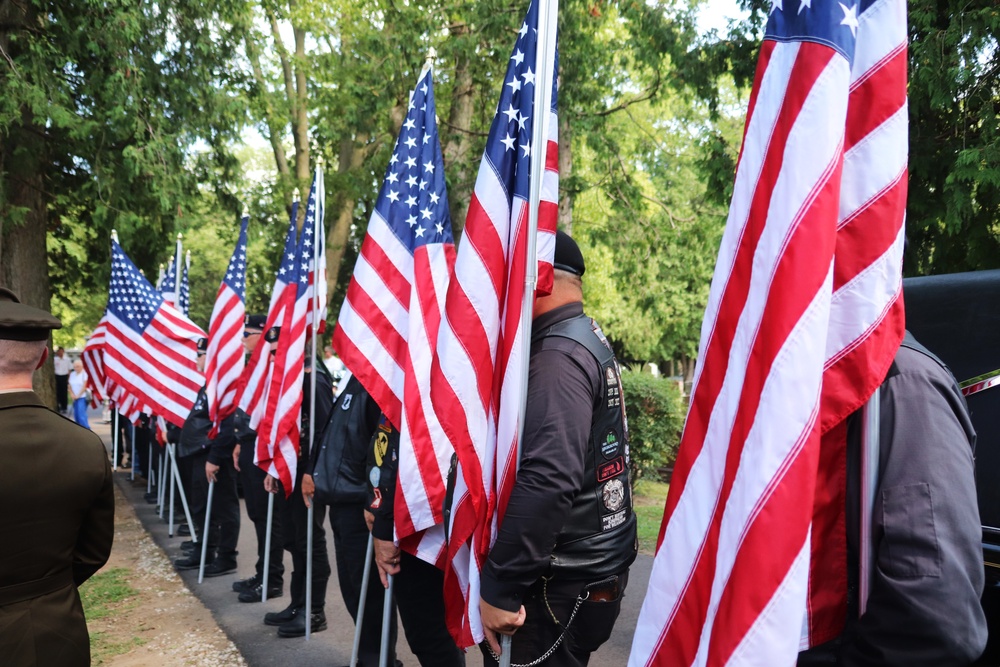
x,y
655,412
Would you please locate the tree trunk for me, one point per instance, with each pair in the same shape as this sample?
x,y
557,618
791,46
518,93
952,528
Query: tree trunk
x,y
23,224
456,148
352,155
565,172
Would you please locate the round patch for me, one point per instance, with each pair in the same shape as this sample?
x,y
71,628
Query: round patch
x,y
610,446
375,476
614,495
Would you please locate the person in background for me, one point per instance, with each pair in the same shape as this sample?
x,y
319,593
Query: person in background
x,y
78,393
57,506
63,366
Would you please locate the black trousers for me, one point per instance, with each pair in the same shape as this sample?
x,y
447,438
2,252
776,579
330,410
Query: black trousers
x,y
224,531
252,479
295,520
590,628
350,544
62,392
419,591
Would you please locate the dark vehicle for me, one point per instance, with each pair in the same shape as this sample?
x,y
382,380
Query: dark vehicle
x,y
957,316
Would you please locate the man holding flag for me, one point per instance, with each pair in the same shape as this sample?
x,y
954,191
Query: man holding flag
x,y
773,540
557,576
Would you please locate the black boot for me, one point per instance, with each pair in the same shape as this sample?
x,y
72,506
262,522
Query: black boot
x,y
256,594
279,618
297,626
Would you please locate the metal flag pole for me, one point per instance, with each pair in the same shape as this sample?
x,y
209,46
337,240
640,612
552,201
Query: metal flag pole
x,y
870,447
176,476
149,474
114,441
317,229
204,534
162,489
383,654
505,650
361,602
173,466
267,547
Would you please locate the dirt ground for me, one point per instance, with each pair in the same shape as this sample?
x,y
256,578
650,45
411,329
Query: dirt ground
x,y
161,622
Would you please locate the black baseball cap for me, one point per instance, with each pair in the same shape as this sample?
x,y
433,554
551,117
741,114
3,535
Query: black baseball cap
x,y
568,256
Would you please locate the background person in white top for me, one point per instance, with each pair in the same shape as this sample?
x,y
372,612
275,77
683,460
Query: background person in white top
x,y
63,366
78,393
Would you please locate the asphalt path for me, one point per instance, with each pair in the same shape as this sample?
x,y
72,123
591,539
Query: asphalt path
x,y
260,645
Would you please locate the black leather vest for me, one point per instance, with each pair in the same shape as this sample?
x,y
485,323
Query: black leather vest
x,y
599,536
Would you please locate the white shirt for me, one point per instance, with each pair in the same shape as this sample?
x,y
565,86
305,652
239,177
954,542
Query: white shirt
x,y
77,382
63,364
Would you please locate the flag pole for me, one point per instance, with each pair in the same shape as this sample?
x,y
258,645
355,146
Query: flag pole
x,y
267,547
114,442
204,533
360,616
383,653
314,305
870,446
546,46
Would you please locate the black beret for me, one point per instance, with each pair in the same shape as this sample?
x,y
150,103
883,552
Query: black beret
x,y
568,256
21,322
272,334
255,321
202,345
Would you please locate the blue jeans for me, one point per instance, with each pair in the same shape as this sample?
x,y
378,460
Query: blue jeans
x,y
80,412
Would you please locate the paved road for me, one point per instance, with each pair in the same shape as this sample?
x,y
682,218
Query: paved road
x,y
260,645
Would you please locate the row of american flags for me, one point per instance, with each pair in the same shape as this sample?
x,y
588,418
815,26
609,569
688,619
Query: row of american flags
x,y
803,319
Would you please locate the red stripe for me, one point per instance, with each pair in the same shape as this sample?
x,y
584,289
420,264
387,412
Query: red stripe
x,y
373,382
869,233
395,281
472,337
876,96
481,234
552,152
376,322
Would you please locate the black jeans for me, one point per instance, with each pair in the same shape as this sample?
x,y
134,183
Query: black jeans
x,y
252,479
590,628
224,532
295,520
419,591
350,544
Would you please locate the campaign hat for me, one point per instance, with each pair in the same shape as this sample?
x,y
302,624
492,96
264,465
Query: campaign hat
x,y
19,321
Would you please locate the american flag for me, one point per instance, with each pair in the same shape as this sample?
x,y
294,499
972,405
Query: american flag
x,y
478,374
314,227
224,357
389,320
803,321
168,285
93,362
254,381
278,435
151,348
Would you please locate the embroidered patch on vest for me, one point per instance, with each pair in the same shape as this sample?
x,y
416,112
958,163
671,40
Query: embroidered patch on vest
x,y
613,495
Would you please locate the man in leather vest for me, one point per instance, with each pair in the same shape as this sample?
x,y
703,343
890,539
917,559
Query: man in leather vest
x,y
57,505
556,573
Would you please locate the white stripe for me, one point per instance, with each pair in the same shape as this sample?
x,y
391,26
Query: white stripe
x,y
769,636
873,164
859,304
357,331
881,30
397,252
389,308
493,198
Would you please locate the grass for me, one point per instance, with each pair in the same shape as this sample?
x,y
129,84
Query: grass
x,y
103,595
648,504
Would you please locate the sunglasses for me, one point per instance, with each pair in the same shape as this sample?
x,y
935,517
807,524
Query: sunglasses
x,y
247,334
